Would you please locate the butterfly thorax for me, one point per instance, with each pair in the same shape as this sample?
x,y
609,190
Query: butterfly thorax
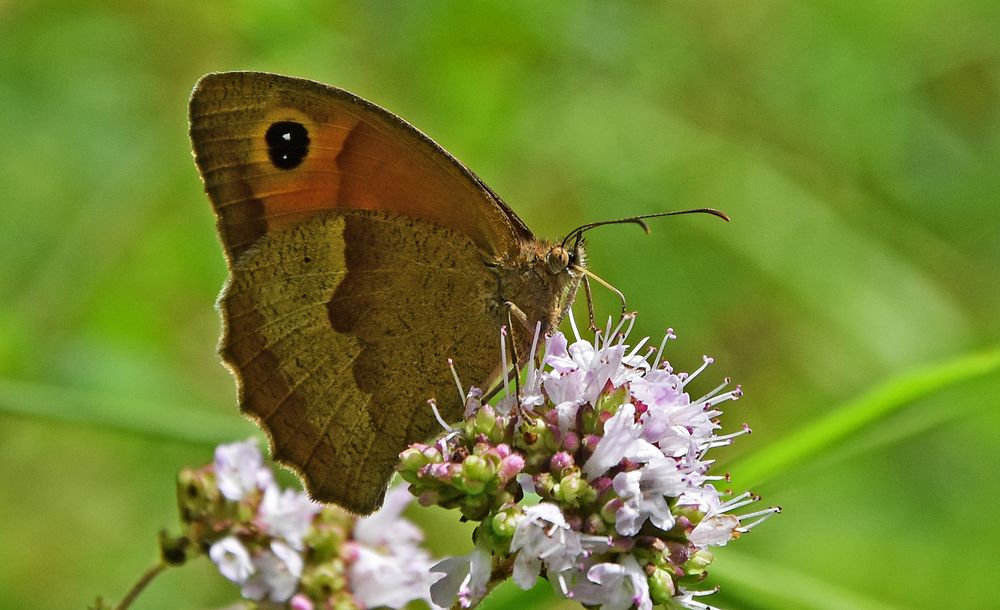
x,y
540,280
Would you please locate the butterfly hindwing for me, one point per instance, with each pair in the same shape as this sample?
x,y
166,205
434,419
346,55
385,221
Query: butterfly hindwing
x,y
319,332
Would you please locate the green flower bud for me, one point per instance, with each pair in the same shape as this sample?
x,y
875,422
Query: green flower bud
x,y
544,484
699,562
323,580
661,586
477,472
484,422
412,459
574,490
504,522
342,600
609,403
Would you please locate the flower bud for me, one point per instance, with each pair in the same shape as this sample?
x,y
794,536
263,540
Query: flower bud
x,y
661,586
510,467
323,579
484,421
573,489
544,483
560,462
476,473
571,441
699,562
504,523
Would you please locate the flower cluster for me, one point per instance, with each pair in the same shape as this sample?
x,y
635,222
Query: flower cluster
x,y
279,546
593,474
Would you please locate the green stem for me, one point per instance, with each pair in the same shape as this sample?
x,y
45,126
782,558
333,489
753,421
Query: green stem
x,y
141,584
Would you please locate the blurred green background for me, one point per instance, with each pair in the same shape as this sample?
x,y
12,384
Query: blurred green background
x,y
856,147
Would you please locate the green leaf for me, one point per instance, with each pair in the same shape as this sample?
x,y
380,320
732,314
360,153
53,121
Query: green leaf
x,y
854,415
132,415
509,595
767,585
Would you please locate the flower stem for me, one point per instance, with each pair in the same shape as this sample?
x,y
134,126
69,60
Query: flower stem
x,y
137,588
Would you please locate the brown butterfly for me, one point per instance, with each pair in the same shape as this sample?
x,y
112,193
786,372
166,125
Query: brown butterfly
x,y
362,256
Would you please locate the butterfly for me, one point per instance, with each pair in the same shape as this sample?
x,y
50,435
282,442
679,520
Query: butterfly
x,y
362,257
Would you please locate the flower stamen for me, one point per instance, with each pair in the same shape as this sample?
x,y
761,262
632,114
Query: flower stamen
x,y
437,415
461,391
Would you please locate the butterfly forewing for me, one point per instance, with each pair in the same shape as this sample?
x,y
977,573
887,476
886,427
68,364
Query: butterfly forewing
x,y
274,150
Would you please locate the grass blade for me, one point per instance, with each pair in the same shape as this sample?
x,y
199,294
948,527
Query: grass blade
x,y
854,415
132,415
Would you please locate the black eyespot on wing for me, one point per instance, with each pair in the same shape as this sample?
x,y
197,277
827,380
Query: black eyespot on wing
x,y
287,144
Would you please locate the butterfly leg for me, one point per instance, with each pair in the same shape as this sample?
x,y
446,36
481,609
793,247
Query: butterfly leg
x,y
590,304
513,311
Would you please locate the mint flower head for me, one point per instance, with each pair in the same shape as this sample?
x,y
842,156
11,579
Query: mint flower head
x,y
280,547
593,475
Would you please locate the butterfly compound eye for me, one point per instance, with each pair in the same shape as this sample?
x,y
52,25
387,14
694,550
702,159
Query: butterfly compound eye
x,y
557,259
287,144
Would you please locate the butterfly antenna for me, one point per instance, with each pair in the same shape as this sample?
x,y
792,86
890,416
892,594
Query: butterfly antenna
x,y
578,232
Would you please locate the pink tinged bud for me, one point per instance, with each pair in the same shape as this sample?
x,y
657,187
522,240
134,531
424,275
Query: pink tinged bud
x,y
590,442
602,484
511,466
300,602
561,461
610,509
349,551
678,553
571,441
503,450
440,472
593,524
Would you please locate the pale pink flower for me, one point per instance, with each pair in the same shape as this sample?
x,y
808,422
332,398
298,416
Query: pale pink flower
x,y
287,514
543,535
622,439
464,577
276,574
623,584
232,559
239,469
644,492
389,568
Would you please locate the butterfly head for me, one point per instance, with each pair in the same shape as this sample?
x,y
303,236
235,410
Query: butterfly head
x,y
561,258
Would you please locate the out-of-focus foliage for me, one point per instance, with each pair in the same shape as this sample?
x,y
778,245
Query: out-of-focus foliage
x,y
855,145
